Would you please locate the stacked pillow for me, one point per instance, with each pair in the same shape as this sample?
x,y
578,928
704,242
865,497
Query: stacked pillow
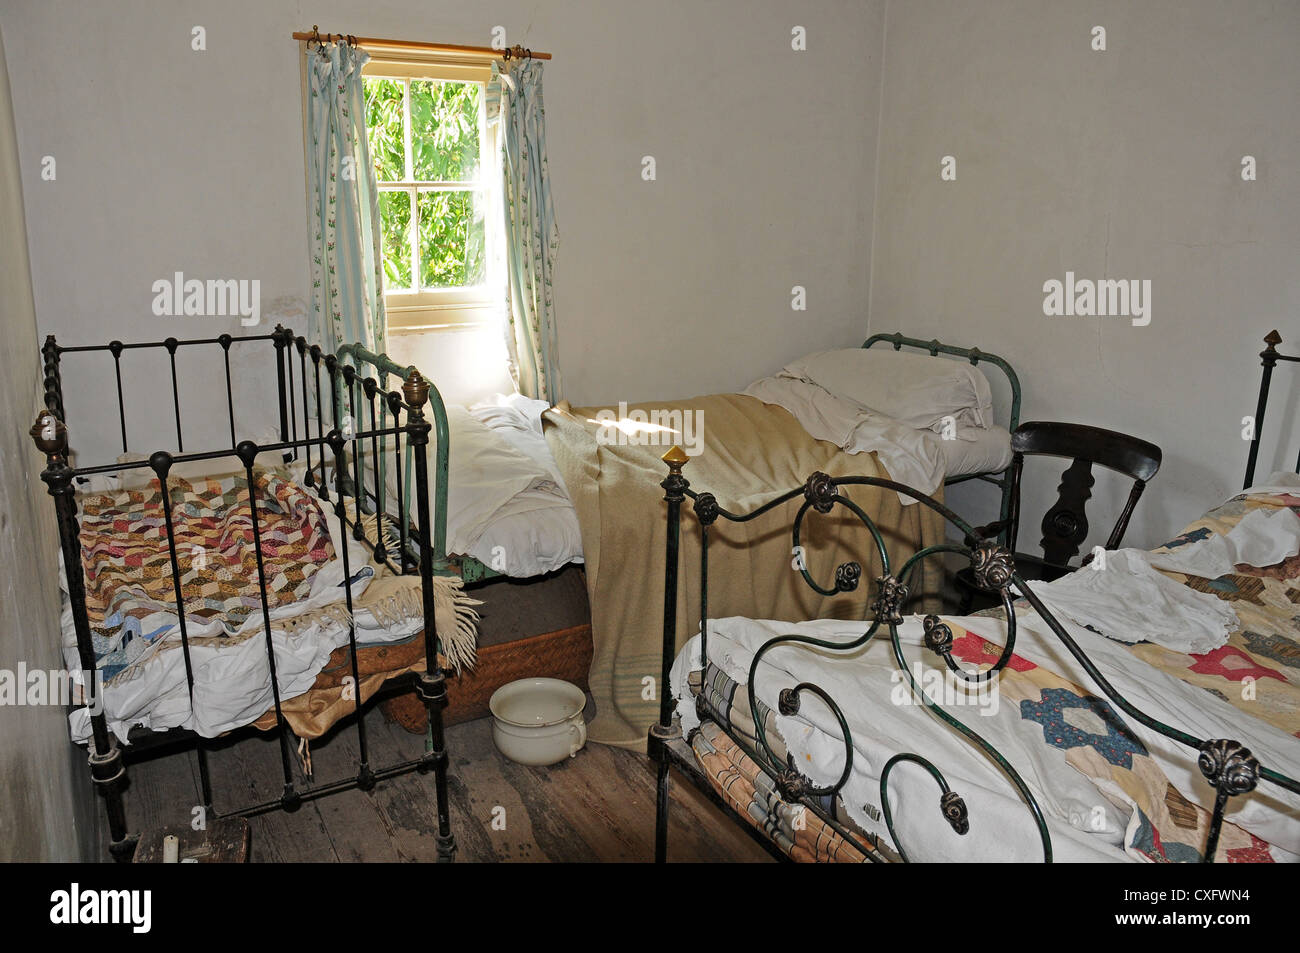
x,y
914,389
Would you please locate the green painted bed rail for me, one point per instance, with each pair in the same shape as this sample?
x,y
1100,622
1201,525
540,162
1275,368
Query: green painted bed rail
x,y
999,478
357,355
467,567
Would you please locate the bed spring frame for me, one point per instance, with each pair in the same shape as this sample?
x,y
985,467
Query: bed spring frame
x,y
405,545
1269,358
1228,766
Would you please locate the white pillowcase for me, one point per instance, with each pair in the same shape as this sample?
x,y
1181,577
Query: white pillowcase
x,y
487,480
915,389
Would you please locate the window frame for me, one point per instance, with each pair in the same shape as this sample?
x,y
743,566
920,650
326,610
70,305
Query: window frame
x,y
421,310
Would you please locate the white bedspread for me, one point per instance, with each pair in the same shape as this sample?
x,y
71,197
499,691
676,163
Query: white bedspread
x,y
506,503
1122,596
536,530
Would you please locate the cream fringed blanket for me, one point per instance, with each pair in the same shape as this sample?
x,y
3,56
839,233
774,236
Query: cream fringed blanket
x,y
391,599
750,452
453,607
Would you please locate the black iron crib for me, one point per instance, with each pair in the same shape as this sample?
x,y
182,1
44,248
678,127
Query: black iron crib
x,y
364,420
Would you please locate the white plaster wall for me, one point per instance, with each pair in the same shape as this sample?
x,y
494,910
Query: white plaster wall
x,y
1124,164
170,159
1117,164
44,799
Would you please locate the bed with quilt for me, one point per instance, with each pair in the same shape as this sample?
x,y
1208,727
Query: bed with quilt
x,y
131,604
1136,711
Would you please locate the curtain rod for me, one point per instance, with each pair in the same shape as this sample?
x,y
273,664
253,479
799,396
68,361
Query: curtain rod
x,y
514,52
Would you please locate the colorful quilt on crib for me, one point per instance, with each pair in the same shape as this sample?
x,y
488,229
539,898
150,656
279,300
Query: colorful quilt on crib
x,y
130,598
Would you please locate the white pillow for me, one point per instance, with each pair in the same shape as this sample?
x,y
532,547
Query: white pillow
x,y
486,477
915,389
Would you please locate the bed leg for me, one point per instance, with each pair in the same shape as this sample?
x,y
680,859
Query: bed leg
x,y
107,769
657,748
432,685
675,486
108,773
433,692
661,817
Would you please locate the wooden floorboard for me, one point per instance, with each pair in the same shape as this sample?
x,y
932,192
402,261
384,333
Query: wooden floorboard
x,y
597,807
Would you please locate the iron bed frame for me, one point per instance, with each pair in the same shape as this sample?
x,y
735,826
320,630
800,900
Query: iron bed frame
x,y
1227,765
1269,358
402,543
999,478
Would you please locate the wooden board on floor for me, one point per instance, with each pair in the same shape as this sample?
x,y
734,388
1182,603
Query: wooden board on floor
x,y
597,807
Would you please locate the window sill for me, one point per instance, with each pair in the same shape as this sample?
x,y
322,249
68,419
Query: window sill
x,y
423,319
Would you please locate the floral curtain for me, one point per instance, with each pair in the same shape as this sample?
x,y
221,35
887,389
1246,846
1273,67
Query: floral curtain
x,y
531,236
346,256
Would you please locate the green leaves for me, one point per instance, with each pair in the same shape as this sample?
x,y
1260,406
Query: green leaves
x,y
384,127
395,225
451,239
444,130
444,136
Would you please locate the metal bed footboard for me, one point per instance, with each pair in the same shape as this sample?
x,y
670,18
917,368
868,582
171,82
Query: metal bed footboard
x,y
999,478
1228,766
408,551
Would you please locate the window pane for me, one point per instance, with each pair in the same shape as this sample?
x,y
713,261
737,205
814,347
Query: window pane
x,y
452,246
384,127
395,224
444,130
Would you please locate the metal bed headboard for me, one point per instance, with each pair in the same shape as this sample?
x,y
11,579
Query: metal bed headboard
x,y
468,568
999,478
383,366
1268,358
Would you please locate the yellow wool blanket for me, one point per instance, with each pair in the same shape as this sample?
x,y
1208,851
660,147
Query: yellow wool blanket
x,y
749,452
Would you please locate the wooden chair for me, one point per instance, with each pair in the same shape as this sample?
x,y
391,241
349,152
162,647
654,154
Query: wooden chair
x,y
1065,525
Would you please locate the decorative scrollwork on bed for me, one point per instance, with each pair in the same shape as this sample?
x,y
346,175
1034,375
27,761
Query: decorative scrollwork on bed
x,y
1226,764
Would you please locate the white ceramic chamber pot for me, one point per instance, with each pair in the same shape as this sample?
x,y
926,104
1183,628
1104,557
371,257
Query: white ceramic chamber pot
x,y
538,721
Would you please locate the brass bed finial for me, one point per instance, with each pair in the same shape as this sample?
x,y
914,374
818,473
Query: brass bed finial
x,y
676,458
415,389
50,434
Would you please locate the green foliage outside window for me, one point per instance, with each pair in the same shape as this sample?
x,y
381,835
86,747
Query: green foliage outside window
x,y
444,149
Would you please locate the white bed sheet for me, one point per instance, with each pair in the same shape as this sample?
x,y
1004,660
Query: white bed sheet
x,y
530,531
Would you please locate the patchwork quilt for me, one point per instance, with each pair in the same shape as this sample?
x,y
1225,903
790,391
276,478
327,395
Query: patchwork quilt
x,y
1093,739
1258,670
1066,728
130,597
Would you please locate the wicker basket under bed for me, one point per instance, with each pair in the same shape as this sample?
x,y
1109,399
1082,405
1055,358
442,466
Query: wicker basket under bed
x,y
506,653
